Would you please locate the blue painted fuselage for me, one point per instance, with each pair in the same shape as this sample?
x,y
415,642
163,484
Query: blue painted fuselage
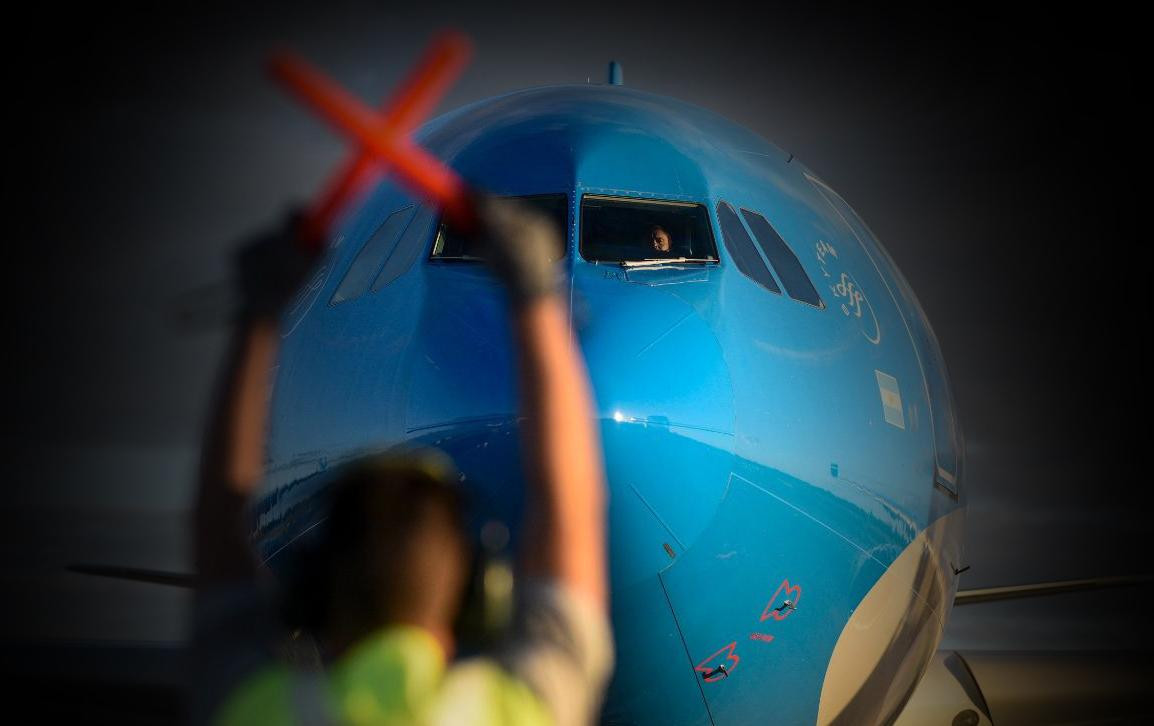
x,y
759,448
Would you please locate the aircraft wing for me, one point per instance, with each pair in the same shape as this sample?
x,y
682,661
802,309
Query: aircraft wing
x,y
969,688
972,687
1016,592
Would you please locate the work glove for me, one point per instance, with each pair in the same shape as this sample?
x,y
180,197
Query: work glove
x,y
272,266
520,244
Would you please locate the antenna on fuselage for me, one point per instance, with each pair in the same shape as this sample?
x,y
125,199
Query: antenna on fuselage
x,y
616,74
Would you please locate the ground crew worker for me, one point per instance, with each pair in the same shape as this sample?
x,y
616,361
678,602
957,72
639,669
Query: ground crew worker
x,y
396,559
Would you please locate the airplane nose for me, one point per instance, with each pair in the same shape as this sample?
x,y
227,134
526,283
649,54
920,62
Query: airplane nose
x,y
665,403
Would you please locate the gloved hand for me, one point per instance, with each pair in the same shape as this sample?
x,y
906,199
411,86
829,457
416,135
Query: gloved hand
x,y
272,266
520,244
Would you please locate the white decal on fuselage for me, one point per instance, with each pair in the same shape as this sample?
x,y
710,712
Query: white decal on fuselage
x,y
853,301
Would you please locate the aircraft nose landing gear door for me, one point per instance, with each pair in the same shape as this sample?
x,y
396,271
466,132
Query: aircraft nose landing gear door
x,y
760,600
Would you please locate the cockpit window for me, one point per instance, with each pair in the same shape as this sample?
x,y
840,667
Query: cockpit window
x,y
451,246
409,248
642,231
741,248
783,260
371,257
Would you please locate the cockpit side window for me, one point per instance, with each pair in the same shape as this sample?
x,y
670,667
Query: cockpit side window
x,y
453,247
782,259
409,248
371,257
740,246
624,230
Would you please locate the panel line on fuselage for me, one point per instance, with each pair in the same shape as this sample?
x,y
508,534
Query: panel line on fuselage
x,y
809,516
668,330
685,645
657,516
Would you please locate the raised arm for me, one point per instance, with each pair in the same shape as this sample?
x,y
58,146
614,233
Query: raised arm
x,y
565,527
565,502
270,269
232,459
561,645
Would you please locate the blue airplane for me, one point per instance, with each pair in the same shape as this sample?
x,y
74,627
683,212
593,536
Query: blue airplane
x,y
784,460
785,464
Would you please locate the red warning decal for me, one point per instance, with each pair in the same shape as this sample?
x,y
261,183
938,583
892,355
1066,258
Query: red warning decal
x,y
715,672
783,602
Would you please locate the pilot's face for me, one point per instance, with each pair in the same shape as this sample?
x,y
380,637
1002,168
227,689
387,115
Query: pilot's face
x,y
660,240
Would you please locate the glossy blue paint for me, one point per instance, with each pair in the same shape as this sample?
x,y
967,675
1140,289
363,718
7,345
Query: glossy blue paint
x,y
745,433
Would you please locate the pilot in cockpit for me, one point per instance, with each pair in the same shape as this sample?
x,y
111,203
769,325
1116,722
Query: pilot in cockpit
x,y
660,240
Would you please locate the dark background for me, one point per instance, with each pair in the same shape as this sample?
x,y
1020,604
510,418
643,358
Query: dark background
x,y
997,153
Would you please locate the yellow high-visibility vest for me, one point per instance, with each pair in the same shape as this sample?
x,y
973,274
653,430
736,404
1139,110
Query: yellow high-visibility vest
x,y
396,676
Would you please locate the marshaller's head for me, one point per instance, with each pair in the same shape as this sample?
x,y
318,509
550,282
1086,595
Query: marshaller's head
x,y
392,551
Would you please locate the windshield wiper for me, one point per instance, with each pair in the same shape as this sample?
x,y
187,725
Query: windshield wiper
x,y
653,262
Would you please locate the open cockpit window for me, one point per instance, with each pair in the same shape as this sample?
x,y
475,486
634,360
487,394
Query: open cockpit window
x,y
637,232
451,246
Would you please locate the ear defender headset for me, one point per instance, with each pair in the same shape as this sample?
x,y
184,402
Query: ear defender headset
x,y
487,596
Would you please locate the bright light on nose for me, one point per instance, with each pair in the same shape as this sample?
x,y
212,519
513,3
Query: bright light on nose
x,y
618,416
